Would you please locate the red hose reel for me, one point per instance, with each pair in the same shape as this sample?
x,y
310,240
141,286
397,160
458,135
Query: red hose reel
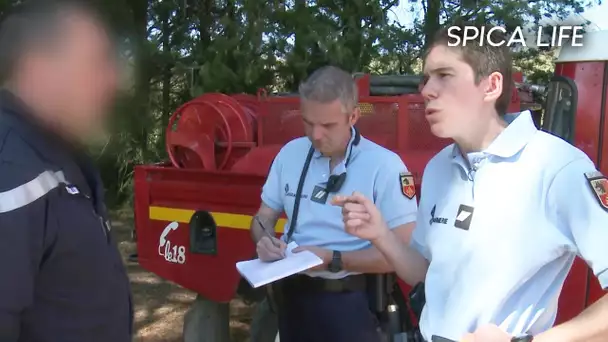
x,y
204,132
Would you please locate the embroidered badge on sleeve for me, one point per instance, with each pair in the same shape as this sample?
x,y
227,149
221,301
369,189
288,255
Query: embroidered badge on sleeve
x,y
599,186
407,184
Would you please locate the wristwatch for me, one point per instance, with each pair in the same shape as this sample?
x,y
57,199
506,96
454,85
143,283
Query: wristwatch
x,y
525,338
336,262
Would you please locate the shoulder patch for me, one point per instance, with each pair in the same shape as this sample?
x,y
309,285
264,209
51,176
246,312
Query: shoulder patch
x,y
407,184
599,186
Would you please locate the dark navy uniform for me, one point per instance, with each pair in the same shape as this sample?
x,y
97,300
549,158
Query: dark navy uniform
x,y
62,277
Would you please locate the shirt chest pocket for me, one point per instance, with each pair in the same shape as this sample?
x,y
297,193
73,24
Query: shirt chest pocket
x,y
83,250
515,232
446,242
82,233
443,238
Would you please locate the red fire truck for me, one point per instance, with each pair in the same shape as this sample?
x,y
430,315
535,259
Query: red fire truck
x,y
192,213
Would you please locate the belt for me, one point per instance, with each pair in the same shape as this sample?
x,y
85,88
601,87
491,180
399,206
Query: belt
x,y
279,291
304,283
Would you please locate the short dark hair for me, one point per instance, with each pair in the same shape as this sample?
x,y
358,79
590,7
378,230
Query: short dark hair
x,y
34,23
484,58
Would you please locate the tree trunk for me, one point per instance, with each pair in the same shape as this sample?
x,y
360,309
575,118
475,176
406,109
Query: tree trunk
x,y
142,72
167,67
431,21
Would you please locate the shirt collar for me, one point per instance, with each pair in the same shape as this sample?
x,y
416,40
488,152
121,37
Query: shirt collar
x,y
17,112
52,148
513,138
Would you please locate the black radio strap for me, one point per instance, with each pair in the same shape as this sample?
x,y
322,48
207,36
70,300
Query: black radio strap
x,y
296,205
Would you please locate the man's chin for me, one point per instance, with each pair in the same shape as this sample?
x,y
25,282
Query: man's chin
x,y
439,131
319,148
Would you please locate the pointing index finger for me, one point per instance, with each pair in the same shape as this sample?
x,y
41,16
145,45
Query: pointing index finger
x,y
358,198
339,200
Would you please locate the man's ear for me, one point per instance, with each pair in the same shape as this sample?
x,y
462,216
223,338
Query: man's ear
x,y
493,86
355,116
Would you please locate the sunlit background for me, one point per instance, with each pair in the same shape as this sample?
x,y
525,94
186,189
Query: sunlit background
x,y
597,15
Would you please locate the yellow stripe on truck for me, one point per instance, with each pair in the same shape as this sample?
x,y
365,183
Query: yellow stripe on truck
x,y
225,220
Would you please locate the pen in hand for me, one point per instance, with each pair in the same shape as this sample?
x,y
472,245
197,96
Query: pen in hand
x,y
273,239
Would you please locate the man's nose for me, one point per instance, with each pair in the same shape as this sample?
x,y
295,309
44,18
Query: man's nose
x,y
428,90
317,133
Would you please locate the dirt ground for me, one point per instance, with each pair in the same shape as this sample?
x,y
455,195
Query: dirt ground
x,y
160,306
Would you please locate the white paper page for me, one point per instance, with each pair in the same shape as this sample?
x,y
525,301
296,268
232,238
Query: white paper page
x,y
259,273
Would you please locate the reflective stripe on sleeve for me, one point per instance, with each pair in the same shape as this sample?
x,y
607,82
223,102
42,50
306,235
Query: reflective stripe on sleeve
x,y
29,192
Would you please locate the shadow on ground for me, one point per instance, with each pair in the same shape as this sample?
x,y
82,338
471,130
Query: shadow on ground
x,y
160,306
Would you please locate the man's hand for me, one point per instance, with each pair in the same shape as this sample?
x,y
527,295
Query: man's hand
x,y
361,217
325,255
487,333
270,249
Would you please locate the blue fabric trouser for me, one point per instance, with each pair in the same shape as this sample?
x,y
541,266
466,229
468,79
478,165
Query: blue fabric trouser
x,y
328,317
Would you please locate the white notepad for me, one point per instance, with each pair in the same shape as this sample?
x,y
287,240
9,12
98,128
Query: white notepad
x,y
259,273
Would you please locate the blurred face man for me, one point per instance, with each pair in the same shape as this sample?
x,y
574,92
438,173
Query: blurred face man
x,y
465,91
328,125
72,78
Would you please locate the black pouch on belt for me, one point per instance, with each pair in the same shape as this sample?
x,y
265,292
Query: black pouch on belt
x,y
417,300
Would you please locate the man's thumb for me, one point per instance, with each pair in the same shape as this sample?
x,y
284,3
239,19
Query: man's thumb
x,y
280,242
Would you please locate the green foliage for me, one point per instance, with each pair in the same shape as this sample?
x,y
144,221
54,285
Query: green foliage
x,y
536,65
181,49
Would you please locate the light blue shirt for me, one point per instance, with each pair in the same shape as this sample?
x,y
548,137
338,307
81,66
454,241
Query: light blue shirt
x,y
373,171
501,235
